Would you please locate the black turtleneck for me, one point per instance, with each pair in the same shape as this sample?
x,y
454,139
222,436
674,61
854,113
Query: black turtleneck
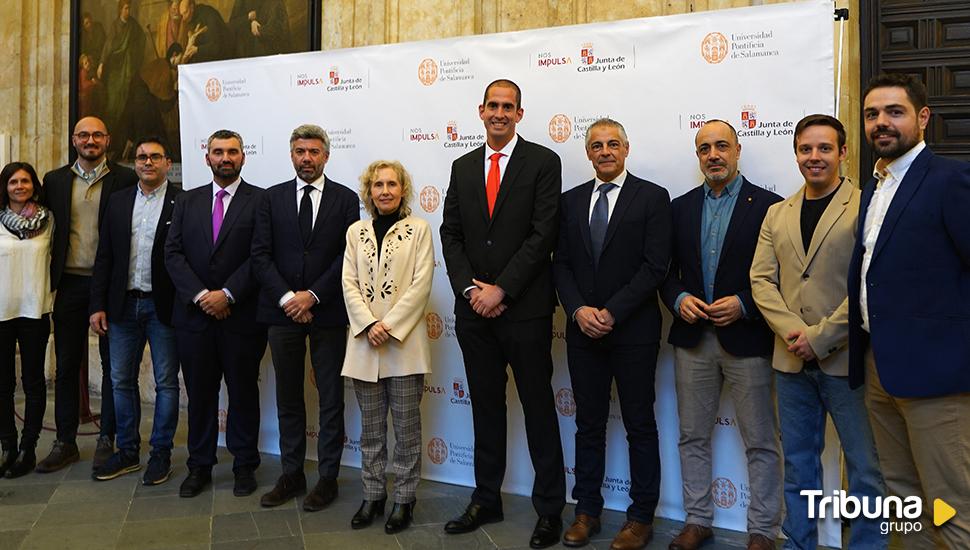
x,y
382,224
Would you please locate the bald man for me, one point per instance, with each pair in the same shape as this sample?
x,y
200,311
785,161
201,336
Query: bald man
x,y
78,195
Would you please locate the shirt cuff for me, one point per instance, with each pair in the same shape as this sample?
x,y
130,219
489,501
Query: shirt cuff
x,y
466,291
232,300
199,296
314,294
575,311
286,297
744,312
680,298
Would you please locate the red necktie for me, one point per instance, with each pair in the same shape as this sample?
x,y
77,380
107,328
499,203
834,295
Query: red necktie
x,y
492,183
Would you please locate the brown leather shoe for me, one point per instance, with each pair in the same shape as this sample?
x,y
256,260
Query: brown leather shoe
x,y
578,534
287,487
760,542
691,537
61,456
633,536
322,495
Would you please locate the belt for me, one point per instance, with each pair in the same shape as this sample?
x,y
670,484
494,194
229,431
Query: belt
x,y
141,294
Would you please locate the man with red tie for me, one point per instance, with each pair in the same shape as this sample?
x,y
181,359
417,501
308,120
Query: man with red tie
x,y
499,228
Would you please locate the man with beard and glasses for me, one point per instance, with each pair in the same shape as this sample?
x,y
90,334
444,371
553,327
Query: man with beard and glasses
x,y
78,195
798,280
719,336
131,304
909,313
298,253
208,257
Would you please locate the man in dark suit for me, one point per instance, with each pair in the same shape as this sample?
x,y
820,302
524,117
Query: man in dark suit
x,y
614,248
719,336
208,258
298,248
909,317
78,195
131,303
498,231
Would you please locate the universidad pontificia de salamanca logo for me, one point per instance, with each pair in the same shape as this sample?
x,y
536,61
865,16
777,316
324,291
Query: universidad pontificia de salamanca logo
x,y
724,492
435,325
560,128
437,450
429,198
716,47
444,70
213,89
565,403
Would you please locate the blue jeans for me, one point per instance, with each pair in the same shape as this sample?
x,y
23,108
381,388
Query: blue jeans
x,y
127,342
803,400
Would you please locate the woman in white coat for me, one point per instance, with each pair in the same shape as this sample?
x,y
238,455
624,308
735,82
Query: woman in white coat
x,y
387,272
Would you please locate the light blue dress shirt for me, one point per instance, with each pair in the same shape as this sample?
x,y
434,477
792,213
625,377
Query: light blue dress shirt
x,y
144,222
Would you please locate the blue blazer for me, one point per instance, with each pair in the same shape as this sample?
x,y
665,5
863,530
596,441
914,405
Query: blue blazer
x,y
748,336
282,262
918,284
196,263
632,265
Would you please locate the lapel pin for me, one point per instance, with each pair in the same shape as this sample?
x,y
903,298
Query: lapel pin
x,y
749,199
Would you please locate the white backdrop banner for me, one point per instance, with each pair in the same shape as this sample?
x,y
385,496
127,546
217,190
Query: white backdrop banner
x,y
760,68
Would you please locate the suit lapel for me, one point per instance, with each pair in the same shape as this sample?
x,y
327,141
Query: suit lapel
x,y
832,213
627,193
204,206
238,204
478,182
293,200
165,218
793,222
907,188
582,210
128,212
741,209
695,215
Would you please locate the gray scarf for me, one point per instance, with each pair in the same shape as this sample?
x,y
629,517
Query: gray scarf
x,y
29,223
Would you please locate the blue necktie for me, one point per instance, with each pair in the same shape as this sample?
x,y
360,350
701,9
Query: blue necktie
x,y
600,220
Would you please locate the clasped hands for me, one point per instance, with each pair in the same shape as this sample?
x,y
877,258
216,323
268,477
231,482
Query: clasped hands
x,y
298,307
722,312
215,303
486,299
595,323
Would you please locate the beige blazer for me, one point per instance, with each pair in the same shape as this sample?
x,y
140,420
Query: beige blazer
x,y
807,292
395,291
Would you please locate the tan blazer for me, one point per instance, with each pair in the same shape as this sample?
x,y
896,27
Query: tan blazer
x,y
807,292
395,291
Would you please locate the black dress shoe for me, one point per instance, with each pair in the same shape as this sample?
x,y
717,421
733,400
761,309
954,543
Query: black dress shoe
x,y
369,509
193,485
472,518
322,495
244,483
400,518
8,457
547,532
287,487
25,463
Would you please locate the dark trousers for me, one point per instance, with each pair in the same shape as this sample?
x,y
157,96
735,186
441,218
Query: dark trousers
x,y
488,347
32,335
70,334
592,369
288,346
207,357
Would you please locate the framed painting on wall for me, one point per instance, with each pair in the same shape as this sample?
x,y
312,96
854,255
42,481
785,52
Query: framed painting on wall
x,y
125,56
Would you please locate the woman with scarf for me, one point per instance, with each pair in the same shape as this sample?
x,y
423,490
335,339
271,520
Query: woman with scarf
x,y
25,306
388,267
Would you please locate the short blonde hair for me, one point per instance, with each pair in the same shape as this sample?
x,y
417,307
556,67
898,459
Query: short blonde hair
x,y
370,176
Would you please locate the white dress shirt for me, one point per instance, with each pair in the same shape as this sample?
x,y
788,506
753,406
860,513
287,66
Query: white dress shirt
x,y
316,196
611,195
230,193
888,178
503,160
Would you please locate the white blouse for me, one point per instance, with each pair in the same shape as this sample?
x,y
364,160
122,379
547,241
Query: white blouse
x,y
25,290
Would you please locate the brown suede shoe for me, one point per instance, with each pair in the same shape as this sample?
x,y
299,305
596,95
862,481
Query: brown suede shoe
x,y
633,536
578,534
287,487
760,542
691,537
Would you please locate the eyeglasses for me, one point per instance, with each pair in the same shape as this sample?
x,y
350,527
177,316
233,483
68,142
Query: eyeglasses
x,y
84,136
155,158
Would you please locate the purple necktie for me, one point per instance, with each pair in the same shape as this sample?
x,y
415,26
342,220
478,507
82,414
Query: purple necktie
x,y
217,214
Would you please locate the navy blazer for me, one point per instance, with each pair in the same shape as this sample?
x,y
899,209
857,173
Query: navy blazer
x,y
512,248
632,265
195,263
58,186
750,335
282,262
918,284
109,283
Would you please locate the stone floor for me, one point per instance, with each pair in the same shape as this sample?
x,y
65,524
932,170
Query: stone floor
x,y
66,510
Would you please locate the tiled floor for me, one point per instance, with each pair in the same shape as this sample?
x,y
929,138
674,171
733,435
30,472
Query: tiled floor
x,y
66,510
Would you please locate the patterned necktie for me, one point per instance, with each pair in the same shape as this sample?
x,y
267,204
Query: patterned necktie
x,y
306,214
492,183
218,213
600,220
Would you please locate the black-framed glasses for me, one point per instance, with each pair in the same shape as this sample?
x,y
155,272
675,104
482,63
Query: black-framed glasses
x,y
84,136
154,157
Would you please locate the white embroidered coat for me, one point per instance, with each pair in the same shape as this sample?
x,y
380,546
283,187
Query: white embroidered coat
x,y
394,290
